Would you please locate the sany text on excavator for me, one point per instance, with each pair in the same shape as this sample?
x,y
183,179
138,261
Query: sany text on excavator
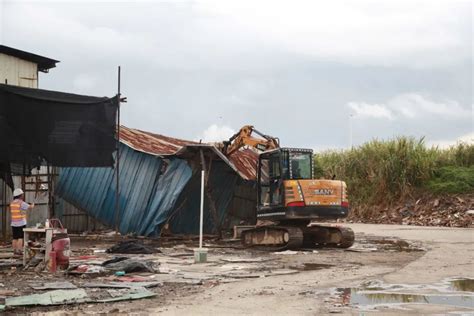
x,y
291,199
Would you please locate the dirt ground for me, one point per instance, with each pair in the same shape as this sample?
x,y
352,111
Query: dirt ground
x,y
396,261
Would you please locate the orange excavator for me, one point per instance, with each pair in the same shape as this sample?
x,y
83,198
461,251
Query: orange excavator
x,y
290,199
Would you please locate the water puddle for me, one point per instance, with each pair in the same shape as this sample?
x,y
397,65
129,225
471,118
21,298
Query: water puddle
x,y
466,285
370,243
311,266
372,294
383,298
315,266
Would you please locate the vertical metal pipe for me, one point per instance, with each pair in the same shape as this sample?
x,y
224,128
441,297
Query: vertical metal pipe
x,y
49,180
4,211
201,212
117,158
350,130
201,215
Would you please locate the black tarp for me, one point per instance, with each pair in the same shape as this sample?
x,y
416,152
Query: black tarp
x,y
62,129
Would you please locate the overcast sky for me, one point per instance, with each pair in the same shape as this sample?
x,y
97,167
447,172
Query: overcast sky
x,y
294,69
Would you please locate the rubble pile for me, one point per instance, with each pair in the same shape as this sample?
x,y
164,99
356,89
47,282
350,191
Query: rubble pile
x,y
427,210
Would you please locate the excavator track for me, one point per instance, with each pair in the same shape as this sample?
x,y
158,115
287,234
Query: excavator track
x,y
319,236
273,238
278,238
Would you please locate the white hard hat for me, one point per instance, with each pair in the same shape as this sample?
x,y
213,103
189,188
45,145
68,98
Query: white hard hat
x,y
18,192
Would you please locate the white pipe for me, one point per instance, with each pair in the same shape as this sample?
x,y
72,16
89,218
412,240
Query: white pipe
x,y
201,216
350,130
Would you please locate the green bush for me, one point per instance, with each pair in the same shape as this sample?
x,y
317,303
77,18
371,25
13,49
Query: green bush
x,y
383,171
452,179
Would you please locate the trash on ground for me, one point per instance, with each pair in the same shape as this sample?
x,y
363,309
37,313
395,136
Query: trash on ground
x,y
87,269
131,265
132,247
56,297
121,285
53,286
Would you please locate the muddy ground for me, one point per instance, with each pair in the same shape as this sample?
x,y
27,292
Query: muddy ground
x,y
388,264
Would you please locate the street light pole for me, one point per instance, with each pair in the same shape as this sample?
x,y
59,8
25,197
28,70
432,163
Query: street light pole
x,y
350,130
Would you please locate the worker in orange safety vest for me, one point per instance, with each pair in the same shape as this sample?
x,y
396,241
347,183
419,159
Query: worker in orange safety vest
x,y
18,208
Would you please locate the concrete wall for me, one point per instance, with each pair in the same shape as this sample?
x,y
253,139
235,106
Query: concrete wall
x,y
18,72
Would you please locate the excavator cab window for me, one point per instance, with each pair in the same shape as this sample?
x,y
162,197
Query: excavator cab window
x,y
300,165
275,179
270,179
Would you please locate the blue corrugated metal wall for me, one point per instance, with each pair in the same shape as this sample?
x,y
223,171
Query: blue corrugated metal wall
x,y
222,181
146,196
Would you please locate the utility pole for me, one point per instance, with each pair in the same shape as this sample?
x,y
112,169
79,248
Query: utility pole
x,y
117,160
351,116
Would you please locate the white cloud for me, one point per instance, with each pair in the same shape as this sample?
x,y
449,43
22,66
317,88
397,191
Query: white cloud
x,y
388,33
215,133
365,110
414,105
410,106
467,138
423,33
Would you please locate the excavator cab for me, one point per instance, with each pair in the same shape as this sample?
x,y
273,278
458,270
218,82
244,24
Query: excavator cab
x,y
287,189
278,165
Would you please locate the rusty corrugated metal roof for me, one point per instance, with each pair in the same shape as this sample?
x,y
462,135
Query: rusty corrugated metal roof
x,y
243,161
154,144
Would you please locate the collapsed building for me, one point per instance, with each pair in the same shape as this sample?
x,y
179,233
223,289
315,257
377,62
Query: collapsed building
x,y
60,148
160,188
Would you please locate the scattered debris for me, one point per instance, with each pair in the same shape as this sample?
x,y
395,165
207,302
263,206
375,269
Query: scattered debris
x,y
358,248
53,286
56,297
130,265
286,252
428,210
65,297
241,260
132,247
128,296
6,292
86,269
121,285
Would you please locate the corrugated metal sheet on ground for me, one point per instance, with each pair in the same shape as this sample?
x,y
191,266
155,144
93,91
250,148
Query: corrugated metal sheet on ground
x,y
149,188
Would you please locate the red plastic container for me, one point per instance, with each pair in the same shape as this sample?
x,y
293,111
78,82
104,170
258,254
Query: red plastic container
x,y
61,246
52,262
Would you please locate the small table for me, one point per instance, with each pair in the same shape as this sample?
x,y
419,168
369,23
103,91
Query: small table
x,y
48,232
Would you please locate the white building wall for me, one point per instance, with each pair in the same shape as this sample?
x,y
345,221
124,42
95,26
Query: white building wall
x,y
18,72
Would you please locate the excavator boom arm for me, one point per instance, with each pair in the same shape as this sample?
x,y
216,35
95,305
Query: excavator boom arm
x,y
244,138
